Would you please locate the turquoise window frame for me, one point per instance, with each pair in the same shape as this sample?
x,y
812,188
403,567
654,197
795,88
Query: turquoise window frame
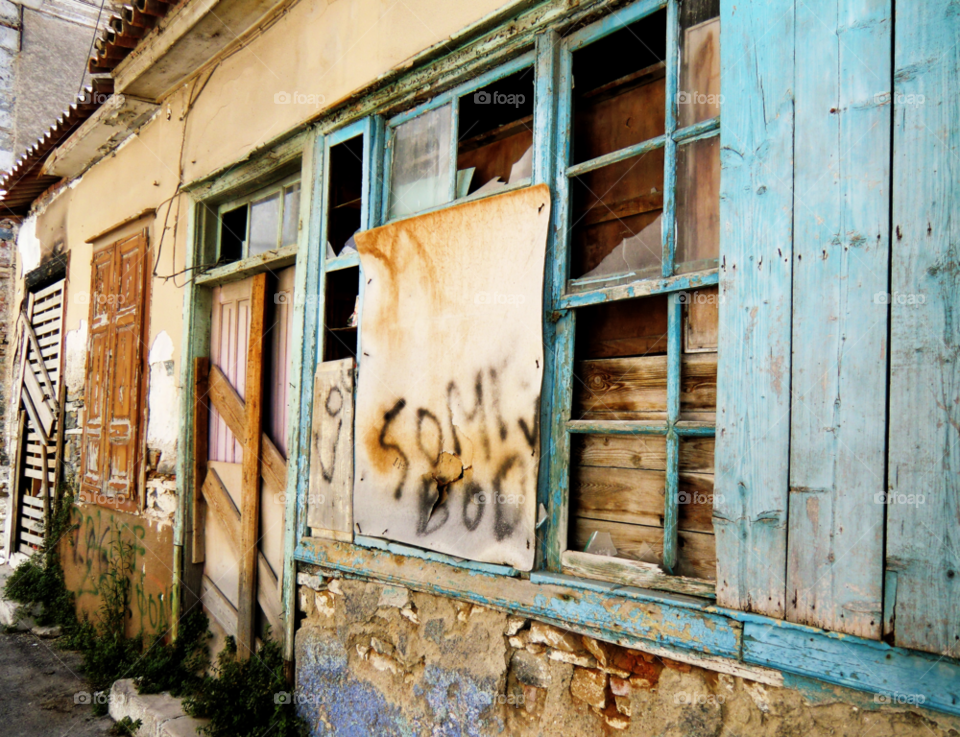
x,y
452,97
567,300
371,128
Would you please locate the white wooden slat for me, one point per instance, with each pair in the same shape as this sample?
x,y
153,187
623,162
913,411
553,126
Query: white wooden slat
x,y
32,501
27,537
34,474
32,512
56,288
48,326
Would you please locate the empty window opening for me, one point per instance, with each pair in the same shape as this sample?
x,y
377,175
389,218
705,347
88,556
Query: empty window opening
x,y
618,102
345,203
342,307
495,137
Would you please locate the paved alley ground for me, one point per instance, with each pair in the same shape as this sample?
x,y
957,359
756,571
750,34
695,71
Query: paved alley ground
x,y
37,686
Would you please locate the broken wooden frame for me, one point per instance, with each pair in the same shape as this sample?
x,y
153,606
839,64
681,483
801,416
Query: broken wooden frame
x,y
39,440
437,70
570,295
449,99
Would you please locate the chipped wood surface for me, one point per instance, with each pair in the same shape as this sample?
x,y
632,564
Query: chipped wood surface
x,y
330,503
753,371
923,538
449,388
841,255
632,573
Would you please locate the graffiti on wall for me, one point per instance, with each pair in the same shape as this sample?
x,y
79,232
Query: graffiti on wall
x,y
91,552
450,372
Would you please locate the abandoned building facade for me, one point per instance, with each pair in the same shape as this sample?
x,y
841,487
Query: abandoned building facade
x,y
529,367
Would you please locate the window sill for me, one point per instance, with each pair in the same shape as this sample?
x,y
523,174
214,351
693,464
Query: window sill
x,y
680,627
639,288
218,275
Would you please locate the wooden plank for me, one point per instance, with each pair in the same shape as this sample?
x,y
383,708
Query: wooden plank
x,y
30,538
232,409
633,573
753,403
37,474
923,538
637,497
696,554
16,494
640,451
250,493
33,501
218,498
623,328
201,432
330,504
228,404
841,256
273,466
40,401
221,504
637,387
857,663
218,606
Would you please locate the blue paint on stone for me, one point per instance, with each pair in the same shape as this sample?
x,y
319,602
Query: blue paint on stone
x,y
335,702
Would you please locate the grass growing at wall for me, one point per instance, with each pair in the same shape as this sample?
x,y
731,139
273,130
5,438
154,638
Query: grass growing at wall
x,y
247,697
40,579
239,700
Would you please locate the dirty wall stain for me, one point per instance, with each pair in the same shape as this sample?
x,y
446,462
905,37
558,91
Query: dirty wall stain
x,y
90,548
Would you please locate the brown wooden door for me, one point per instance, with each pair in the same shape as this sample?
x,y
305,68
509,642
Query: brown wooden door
x,y
114,370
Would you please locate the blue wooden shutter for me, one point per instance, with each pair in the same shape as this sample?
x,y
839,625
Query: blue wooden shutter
x,y
923,535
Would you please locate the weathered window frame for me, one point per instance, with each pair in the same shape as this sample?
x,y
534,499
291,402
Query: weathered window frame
x,y
450,97
572,294
753,646
249,200
318,266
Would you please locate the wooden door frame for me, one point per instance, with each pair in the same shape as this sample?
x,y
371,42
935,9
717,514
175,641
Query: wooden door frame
x,y
197,314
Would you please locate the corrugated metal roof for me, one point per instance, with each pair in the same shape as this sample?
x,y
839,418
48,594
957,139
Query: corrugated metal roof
x,y
24,182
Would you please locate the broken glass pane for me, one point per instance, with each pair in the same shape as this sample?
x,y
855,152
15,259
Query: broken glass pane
x,y
698,204
264,221
421,163
291,213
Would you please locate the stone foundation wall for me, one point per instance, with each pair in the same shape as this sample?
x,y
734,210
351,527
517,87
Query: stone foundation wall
x,y
381,660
